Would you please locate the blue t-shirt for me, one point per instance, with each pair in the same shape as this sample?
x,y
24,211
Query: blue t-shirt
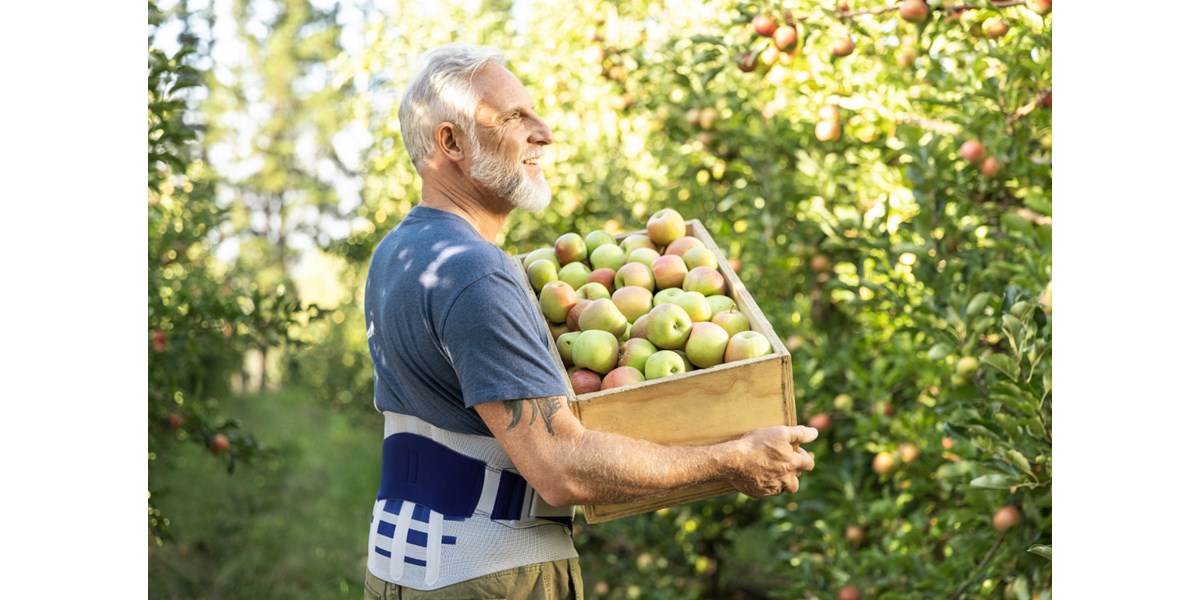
x,y
450,325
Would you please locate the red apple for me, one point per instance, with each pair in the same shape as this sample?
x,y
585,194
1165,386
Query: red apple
x,y
990,166
666,226
914,11
219,444
828,131
603,277
908,452
584,381
634,352
175,420
848,593
159,341
638,328
669,271
569,248
572,321
706,280
972,151
1041,7
785,37
883,463
1006,518
996,28
620,377
636,274
706,344
821,422
556,300
843,47
683,244
765,26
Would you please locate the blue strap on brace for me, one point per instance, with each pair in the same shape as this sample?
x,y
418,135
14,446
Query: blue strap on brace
x,y
420,470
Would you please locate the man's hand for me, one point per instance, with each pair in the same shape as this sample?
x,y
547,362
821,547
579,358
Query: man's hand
x,y
770,463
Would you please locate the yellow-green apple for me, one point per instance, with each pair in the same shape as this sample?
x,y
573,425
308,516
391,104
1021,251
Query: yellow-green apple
x,y
575,274
634,241
695,305
621,376
569,248
592,291
638,328
669,295
556,299
747,344
595,350
584,381
706,280
596,239
563,344
700,257
557,329
706,345
539,254
608,256
634,352
646,256
883,463
669,271
732,321
604,315
720,302
572,321
633,301
666,226
624,337
664,363
604,277
687,364
635,274
668,326
541,272
683,244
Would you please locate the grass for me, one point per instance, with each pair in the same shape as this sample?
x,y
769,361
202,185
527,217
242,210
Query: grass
x,y
291,526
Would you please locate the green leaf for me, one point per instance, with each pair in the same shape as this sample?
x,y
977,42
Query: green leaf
x,y
940,350
1004,364
995,481
978,303
1019,461
1040,550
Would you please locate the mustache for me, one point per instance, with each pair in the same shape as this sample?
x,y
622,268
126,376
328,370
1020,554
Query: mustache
x,y
533,154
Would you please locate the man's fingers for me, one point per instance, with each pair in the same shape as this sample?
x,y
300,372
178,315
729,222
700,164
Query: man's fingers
x,y
799,434
805,461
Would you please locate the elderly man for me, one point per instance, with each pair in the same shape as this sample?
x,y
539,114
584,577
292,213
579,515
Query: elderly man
x,y
482,462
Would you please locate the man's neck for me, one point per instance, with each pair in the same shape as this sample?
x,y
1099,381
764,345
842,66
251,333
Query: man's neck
x,y
486,213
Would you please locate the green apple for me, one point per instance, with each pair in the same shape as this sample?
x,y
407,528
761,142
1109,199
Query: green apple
x,y
569,248
575,273
669,271
557,329
608,256
563,344
593,291
687,364
720,302
596,239
695,305
666,226
635,241
668,326
706,345
680,246
635,274
595,350
646,256
604,315
700,257
540,253
633,301
732,321
638,328
634,352
620,377
669,295
541,272
556,299
747,344
664,363
706,280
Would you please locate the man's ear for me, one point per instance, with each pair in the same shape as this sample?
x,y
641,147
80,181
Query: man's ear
x,y
449,141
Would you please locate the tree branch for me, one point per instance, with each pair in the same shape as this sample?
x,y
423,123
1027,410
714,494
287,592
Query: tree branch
x,y
1024,111
979,568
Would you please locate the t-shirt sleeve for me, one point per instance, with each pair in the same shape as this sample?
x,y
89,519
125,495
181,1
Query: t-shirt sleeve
x,y
498,344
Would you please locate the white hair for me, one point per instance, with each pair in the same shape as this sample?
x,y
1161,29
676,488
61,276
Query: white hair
x,y
441,91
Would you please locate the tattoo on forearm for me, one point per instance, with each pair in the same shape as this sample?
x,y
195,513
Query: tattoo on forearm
x,y
547,406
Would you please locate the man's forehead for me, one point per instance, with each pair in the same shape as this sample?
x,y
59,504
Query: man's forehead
x,y
499,90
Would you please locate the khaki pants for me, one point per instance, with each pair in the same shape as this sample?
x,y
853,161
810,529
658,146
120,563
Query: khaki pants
x,y
557,580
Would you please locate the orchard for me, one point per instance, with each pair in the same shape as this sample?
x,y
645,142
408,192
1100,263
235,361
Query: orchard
x,y
877,174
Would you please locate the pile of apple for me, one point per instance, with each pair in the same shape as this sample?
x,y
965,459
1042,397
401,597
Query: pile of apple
x,y
650,306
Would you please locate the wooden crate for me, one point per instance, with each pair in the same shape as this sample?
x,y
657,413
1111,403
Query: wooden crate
x,y
702,406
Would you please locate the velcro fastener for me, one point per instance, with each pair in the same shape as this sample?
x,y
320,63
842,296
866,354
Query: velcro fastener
x,y
510,497
420,470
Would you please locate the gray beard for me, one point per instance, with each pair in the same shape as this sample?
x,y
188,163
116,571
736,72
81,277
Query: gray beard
x,y
508,181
